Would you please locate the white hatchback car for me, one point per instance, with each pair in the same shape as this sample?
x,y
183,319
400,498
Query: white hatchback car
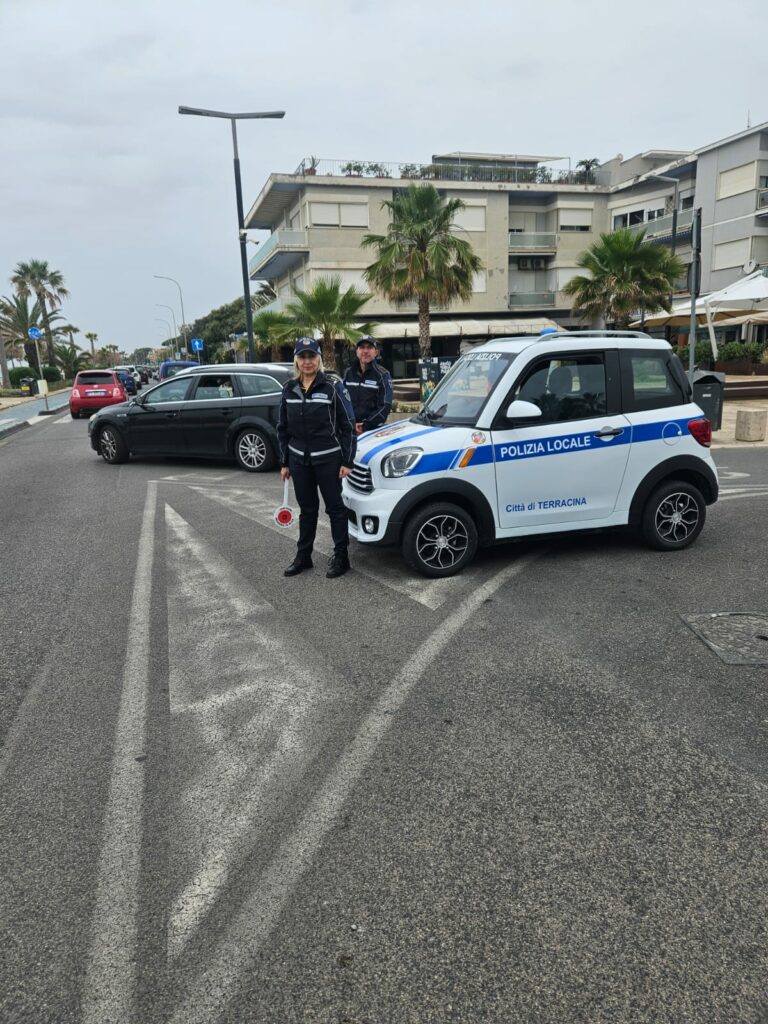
x,y
570,431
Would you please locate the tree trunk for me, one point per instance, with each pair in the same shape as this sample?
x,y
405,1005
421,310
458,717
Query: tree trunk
x,y
47,330
4,365
425,341
30,355
276,353
329,354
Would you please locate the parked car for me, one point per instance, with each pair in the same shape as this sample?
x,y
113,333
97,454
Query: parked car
x,y
173,366
93,390
144,373
220,412
576,430
126,379
133,372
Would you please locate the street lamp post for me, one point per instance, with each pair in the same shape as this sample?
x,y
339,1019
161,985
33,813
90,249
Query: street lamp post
x,y
183,335
161,320
162,305
233,119
673,246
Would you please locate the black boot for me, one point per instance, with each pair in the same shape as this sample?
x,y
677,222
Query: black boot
x,y
299,564
338,564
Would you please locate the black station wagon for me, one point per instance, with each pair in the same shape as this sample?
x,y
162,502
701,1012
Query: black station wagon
x,y
218,412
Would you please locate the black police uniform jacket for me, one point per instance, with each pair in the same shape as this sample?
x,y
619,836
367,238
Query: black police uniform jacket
x,y
316,426
370,392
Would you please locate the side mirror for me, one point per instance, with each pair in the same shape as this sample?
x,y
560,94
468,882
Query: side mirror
x,y
521,410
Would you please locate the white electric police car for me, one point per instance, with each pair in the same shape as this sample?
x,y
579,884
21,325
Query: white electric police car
x,y
570,431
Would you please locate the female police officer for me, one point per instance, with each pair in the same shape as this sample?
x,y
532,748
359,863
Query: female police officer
x,y
317,443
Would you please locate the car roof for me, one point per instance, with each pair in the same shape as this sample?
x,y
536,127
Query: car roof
x,y
240,368
570,340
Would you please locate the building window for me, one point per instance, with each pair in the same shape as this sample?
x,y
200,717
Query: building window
x,y
620,221
736,180
686,203
576,219
764,181
334,215
655,214
471,218
731,254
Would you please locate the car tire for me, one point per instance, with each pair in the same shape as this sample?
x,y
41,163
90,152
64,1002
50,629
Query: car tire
x,y
673,516
439,540
253,451
74,415
112,446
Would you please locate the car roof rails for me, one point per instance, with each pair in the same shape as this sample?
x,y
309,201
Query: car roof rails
x,y
595,334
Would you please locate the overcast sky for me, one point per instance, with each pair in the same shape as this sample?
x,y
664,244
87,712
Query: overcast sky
x,y
101,177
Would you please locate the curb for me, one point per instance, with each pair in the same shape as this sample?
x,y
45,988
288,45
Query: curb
x,y
7,431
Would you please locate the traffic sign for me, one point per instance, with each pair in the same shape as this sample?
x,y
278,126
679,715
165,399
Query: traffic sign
x,y
197,344
35,333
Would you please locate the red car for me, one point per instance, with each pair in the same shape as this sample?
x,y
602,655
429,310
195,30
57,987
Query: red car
x,y
94,389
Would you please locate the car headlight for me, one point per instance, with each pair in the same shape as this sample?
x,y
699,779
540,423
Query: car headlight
x,y
401,462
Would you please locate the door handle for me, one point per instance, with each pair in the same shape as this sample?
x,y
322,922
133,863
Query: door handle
x,y
609,432
171,415
226,412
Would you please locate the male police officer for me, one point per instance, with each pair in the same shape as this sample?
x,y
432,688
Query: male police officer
x,y
370,386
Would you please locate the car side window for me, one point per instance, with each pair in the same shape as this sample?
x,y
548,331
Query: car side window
x,y
649,383
171,391
565,388
213,386
252,384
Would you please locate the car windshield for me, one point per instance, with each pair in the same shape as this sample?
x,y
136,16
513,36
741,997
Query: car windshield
x,y
465,389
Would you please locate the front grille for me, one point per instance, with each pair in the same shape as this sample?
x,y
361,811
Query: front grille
x,y
360,478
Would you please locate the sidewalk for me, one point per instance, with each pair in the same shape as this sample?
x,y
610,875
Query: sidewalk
x,y
17,413
725,437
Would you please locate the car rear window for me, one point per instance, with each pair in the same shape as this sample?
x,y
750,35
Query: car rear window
x,y
94,377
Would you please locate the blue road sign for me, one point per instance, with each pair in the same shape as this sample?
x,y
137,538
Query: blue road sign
x,y
197,344
35,333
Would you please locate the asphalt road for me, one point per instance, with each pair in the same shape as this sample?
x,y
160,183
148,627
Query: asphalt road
x,y
530,793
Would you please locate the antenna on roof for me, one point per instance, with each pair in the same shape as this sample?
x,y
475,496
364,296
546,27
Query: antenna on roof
x,y
749,120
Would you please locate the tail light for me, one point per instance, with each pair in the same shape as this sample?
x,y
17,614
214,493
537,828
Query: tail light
x,y
75,392
701,430
118,393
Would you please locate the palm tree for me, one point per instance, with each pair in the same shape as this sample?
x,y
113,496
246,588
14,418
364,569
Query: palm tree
x,y
268,331
420,259
92,337
587,169
627,274
70,330
16,317
329,311
36,278
71,359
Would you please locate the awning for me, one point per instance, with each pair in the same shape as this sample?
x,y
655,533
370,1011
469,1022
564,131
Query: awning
x,y
463,328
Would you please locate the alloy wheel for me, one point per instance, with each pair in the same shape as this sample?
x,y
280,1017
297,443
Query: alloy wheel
x,y
442,541
677,517
108,445
252,450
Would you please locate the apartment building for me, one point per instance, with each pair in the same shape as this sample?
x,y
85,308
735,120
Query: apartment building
x,y
528,217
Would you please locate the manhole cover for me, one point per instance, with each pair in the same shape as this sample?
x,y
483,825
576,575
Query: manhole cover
x,y
737,638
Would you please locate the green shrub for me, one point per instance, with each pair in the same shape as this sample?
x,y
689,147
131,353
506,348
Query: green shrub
x,y
18,372
740,350
52,374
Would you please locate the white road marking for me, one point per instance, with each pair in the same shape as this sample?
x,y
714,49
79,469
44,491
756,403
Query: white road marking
x,y
110,980
383,567
747,491
243,713
214,987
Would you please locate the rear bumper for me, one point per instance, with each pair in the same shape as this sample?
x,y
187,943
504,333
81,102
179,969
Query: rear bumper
x,y
93,404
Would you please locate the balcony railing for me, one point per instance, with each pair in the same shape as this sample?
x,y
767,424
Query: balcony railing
x,y
762,201
470,171
532,241
663,225
531,299
290,244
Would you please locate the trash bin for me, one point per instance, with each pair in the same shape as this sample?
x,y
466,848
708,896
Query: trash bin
x,y
28,386
708,390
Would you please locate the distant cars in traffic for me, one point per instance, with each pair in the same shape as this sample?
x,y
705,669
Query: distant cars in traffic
x,y
93,390
173,366
218,412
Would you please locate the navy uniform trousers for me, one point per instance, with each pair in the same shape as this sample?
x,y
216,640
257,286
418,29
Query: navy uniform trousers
x,y
308,478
